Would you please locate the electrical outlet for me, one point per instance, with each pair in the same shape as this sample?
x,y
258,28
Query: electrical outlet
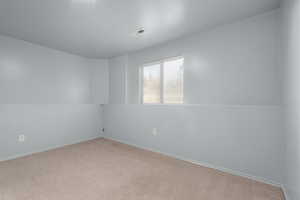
x,y
154,131
21,138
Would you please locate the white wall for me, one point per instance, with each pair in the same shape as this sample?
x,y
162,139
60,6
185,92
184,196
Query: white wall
x,y
246,140
234,64
46,126
34,74
291,44
232,116
46,95
117,80
99,80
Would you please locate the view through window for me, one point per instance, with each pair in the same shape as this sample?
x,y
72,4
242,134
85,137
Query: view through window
x,y
151,84
162,82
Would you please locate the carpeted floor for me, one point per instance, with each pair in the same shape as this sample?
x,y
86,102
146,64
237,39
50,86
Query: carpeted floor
x,y
105,170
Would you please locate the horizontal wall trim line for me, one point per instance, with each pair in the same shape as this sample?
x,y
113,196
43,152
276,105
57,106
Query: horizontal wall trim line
x,y
202,105
49,148
204,164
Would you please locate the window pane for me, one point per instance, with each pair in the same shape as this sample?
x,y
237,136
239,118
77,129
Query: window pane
x,y
173,81
151,84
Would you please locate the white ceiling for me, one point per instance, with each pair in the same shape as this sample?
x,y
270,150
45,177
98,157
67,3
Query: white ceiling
x,y
105,28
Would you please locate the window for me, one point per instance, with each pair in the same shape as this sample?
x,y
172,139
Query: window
x,y
162,82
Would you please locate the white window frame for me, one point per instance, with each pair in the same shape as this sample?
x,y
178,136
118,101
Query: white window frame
x,y
161,64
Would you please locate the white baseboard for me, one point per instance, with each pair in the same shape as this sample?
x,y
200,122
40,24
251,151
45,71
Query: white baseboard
x,y
49,148
291,193
285,193
204,164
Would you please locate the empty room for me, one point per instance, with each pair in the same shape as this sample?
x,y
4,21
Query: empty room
x,y
149,100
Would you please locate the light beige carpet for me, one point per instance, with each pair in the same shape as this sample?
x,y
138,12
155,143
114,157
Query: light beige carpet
x,y
106,170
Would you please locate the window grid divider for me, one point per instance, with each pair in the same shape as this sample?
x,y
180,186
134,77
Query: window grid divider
x,y
162,87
